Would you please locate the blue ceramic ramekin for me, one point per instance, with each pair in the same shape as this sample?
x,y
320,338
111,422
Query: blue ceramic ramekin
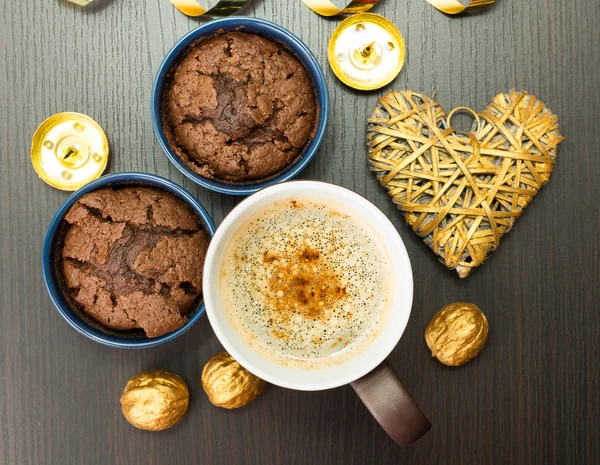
x,y
267,29
50,248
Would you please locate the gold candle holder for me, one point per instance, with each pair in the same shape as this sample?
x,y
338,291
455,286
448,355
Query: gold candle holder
x,y
68,150
366,51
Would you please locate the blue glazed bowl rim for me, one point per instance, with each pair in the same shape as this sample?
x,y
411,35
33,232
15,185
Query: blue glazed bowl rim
x,y
50,279
308,60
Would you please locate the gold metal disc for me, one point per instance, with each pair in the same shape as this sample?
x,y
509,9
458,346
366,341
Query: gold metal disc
x,y
366,51
68,150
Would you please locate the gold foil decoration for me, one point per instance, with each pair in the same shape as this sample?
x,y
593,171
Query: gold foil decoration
x,y
327,8
453,7
68,150
228,384
366,51
222,8
155,400
457,333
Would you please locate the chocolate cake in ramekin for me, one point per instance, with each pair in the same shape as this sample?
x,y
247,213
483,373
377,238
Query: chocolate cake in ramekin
x,y
240,104
123,259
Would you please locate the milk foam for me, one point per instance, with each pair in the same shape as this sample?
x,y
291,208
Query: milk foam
x,y
305,284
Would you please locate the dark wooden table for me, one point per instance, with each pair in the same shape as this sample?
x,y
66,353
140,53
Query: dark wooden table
x,y
531,397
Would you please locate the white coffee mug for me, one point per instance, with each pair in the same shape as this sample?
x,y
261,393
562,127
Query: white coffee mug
x,y
372,378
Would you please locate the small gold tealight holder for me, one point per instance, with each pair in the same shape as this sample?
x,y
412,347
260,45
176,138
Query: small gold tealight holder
x,y
68,150
366,51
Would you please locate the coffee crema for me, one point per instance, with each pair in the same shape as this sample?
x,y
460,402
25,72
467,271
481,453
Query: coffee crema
x,y
305,284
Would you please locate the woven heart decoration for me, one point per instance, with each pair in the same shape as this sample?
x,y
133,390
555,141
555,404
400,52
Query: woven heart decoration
x,y
461,192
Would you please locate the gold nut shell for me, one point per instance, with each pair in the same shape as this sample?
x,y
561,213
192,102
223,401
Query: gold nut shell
x,y
155,400
457,333
228,384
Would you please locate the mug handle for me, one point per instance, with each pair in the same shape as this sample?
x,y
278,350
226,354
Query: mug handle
x,y
391,404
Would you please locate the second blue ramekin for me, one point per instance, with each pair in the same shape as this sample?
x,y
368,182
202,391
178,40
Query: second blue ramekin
x,y
50,249
272,31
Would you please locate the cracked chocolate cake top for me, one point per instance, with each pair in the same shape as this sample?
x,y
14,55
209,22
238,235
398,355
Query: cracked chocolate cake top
x,y
132,258
239,107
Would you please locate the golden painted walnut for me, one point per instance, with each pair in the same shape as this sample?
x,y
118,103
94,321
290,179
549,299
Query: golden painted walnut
x,y
228,384
155,400
457,333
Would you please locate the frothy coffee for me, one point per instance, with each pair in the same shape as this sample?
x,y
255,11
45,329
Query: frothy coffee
x,y
305,283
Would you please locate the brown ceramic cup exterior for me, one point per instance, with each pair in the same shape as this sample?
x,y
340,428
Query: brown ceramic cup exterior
x,y
391,404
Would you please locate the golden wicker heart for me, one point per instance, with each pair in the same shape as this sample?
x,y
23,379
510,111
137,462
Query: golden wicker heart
x,y
462,192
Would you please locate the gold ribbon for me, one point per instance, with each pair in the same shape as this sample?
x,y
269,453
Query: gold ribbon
x,y
222,8
327,8
322,7
452,7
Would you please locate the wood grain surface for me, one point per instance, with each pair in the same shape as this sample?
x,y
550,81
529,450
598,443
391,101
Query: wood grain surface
x,y
531,397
